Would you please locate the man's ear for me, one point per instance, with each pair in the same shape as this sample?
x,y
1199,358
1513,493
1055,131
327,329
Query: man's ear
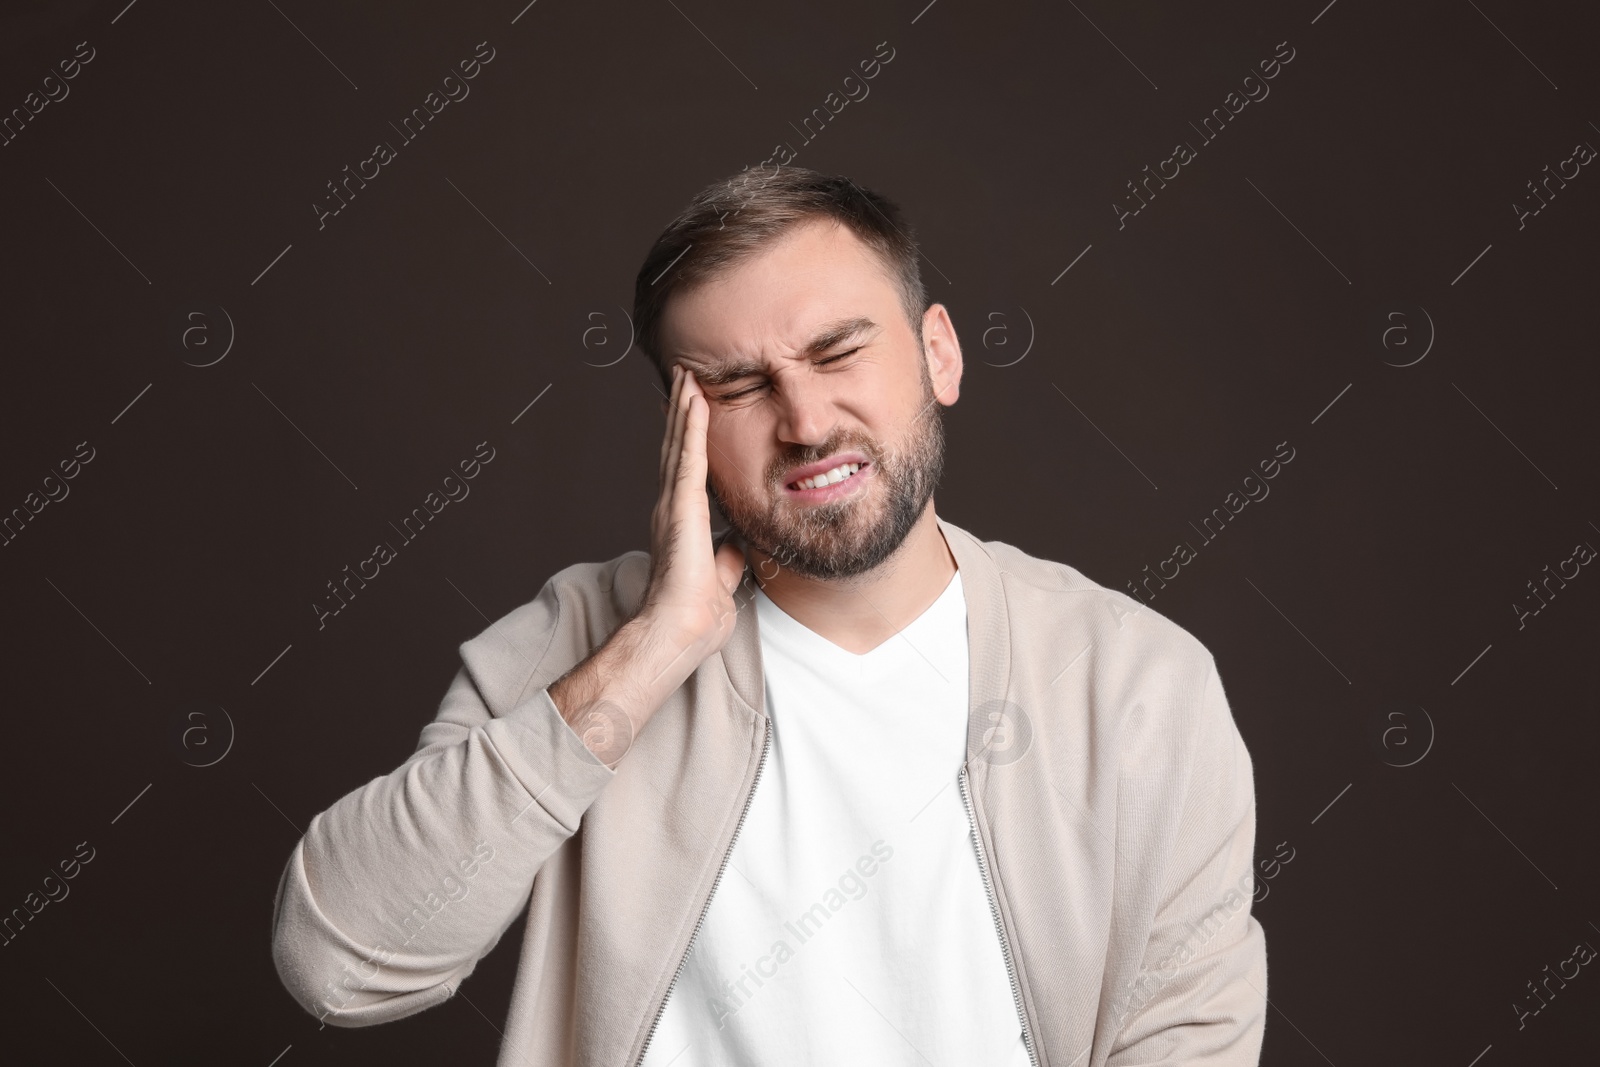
x,y
943,351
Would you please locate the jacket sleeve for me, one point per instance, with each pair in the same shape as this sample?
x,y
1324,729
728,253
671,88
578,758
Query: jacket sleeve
x,y
1201,997
397,890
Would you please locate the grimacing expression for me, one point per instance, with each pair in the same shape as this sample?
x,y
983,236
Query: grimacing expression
x,y
845,537
805,355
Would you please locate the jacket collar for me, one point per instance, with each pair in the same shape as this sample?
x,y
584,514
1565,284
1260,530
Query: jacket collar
x,y
988,632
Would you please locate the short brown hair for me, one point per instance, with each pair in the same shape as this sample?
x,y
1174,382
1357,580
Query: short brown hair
x,y
730,220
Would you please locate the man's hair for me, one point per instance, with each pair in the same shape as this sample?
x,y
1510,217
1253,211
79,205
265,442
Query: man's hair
x,y
732,219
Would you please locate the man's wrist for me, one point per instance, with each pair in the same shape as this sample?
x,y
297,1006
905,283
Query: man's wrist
x,y
654,655
608,698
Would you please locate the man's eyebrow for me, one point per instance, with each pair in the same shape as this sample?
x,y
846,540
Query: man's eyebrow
x,y
838,332
830,335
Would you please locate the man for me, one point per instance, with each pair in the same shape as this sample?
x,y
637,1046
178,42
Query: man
x,y
844,785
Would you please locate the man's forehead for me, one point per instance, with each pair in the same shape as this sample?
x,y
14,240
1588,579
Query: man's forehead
x,y
811,280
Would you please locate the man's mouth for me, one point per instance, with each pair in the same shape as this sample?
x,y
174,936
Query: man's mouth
x,y
829,477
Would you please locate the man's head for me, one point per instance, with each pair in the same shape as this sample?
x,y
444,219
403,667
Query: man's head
x,y
796,300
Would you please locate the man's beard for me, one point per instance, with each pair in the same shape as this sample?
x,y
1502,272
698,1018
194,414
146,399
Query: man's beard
x,y
849,537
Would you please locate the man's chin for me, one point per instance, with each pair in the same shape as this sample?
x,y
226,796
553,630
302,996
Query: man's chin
x,y
821,542
829,555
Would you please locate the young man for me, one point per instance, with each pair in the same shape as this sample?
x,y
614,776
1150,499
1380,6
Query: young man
x,y
843,785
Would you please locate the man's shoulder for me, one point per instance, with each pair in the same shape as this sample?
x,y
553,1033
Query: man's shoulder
x,y
1046,599
1143,682
601,591
620,578
576,609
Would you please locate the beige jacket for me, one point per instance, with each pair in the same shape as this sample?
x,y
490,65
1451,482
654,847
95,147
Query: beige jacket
x,y
1110,789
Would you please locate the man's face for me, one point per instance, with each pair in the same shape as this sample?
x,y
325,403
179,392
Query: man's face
x,y
808,363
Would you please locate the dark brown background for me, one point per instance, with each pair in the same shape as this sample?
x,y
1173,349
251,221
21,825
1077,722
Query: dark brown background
x,y
1220,321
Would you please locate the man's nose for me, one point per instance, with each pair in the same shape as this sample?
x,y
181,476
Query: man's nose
x,y
806,413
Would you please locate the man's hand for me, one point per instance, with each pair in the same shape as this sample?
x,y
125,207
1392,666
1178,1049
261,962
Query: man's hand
x,y
687,612
690,592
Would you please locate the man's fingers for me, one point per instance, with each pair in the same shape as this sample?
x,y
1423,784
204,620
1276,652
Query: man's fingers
x,y
690,509
683,506
666,435
674,439
692,465
670,411
680,437
685,397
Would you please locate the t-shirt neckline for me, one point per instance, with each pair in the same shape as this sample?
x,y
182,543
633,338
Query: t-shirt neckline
x,y
797,631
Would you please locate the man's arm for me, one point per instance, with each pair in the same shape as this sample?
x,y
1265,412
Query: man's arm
x,y
1201,999
399,888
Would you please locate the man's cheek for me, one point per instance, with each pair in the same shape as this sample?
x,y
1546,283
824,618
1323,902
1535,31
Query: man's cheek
x,y
727,459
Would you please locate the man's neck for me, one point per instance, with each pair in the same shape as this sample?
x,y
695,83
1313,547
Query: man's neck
x,y
859,614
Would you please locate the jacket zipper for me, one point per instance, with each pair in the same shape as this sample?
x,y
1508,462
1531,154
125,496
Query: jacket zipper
x,y
766,741
1005,947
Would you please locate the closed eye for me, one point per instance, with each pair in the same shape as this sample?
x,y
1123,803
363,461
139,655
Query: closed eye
x,y
821,363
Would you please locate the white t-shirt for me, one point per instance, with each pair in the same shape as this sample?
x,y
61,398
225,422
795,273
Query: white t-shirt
x,y
851,925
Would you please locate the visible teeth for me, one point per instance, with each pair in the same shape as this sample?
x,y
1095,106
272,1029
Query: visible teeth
x,y
838,474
